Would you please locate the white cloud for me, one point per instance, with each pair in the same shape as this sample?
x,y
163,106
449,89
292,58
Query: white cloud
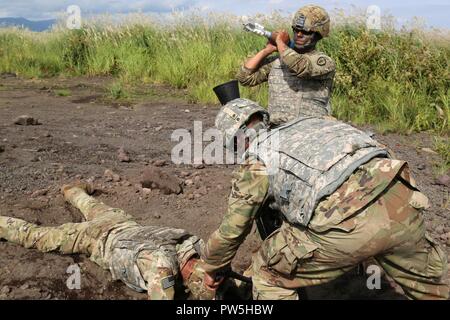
x,y
434,11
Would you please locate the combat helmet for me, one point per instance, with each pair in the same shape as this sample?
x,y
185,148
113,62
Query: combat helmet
x,y
312,18
234,115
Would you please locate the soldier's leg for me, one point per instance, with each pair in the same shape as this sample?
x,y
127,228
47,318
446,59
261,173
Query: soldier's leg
x,y
279,270
295,257
420,270
418,265
90,207
67,238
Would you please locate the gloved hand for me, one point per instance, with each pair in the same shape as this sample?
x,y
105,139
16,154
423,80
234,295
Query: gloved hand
x,y
202,286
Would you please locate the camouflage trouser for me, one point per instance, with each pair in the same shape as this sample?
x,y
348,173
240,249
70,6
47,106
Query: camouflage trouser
x,y
86,237
390,230
70,237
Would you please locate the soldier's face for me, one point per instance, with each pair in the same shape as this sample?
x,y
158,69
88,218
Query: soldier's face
x,y
302,39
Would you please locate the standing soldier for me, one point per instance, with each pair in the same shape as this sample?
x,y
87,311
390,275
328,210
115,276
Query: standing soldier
x,y
300,78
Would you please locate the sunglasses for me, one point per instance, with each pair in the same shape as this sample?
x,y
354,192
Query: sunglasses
x,y
304,32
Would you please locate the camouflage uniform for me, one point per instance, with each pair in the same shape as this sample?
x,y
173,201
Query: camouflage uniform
x,y
300,84
101,236
375,212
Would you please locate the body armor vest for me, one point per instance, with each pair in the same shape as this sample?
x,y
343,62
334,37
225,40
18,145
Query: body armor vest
x,y
310,158
291,96
129,243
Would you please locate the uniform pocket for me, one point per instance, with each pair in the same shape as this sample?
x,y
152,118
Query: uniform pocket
x,y
419,201
286,248
429,261
437,264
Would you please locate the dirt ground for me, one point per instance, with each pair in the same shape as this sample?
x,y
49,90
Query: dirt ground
x,y
79,138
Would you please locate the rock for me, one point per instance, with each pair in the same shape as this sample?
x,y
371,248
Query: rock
x,y
35,159
5,290
157,216
184,174
439,229
191,196
146,191
428,150
25,286
187,110
154,177
421,166
158,128
189,182
138,188
199,166
159,163
443,180
47,297
197,180
203,191
26,120
219,187
40,193
123,155
47,135
111,176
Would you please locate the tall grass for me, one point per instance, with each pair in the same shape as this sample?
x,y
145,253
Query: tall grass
x,y
396,80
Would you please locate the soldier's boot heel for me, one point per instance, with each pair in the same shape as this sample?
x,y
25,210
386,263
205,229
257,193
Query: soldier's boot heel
x,y
68,190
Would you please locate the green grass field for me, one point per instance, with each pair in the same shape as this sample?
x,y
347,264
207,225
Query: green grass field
x,y
396,80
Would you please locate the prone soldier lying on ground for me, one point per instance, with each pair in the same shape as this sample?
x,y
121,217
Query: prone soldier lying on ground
x,y
145,258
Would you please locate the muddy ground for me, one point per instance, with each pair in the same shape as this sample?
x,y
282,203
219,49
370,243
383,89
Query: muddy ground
x,y
79,137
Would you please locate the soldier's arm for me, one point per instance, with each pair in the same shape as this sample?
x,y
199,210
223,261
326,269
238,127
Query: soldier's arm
x,y
249,75
308,65
249,188
158,274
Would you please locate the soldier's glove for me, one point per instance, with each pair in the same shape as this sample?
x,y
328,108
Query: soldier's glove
x,y
200,284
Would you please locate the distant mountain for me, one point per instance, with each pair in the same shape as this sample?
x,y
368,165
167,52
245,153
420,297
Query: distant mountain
x,y
40,25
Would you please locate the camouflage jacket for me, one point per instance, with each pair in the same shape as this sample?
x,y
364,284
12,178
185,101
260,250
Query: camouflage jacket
x,y
146,258
250,187
299,84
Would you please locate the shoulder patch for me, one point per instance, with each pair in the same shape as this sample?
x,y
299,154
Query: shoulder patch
x,y
321,61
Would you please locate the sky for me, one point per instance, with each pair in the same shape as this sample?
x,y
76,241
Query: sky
x,y
435,13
